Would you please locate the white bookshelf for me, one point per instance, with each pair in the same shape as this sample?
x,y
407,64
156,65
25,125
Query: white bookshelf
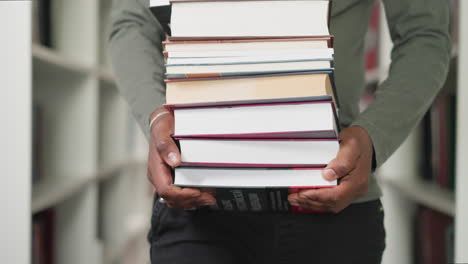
x,y
400,176
461,219
15,132
93,171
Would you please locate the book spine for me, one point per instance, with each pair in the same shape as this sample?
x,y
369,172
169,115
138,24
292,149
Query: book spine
x,y
252,199
256,200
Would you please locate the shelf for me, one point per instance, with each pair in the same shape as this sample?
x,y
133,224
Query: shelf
x,y
48,61
51,192
425,193
54,191
111,171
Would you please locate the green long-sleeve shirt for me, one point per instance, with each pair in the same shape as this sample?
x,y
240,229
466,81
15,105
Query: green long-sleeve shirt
x,y
420,58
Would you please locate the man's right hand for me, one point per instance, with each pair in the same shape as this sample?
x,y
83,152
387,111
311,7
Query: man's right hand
x,y
164,154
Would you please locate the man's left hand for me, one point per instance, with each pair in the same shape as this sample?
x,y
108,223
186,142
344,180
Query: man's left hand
x,y
351,167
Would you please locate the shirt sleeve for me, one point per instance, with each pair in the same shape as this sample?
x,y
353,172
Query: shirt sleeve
x,y
137,59
420,59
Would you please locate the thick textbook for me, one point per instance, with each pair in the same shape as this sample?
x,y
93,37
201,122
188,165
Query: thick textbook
x,y
316,119
251,189
253,89
242,19
257,152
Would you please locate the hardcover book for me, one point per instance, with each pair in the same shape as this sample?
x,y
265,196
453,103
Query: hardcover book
x,y
250,89
278,18
271,120
251,190
257,152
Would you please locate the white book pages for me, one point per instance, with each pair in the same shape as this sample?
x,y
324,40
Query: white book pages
x,y
305,152
154,3
229,177
318,53
249,18
254,45
252,67
255,119
245,59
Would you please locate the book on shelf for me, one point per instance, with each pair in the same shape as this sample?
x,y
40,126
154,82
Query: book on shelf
x,y
251,89
315,119
439,134
208,18
257,152
42,22
434,237
43,225
251,189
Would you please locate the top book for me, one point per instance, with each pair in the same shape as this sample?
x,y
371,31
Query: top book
x,y
247,18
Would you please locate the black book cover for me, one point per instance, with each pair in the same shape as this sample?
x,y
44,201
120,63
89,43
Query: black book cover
x,y
251,199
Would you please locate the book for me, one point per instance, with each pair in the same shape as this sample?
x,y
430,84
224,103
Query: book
x,y
239,69
272,120
254,89
43,225
439,134
431,232
265,58
222,18
257,153
251,189
314,53
42,21
291,43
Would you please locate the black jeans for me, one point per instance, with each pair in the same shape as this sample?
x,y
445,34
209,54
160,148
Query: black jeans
x,y
355,235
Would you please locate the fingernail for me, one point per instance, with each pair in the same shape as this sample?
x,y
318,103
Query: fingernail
x,y
208,202
196,194
293,203
329,174
173,158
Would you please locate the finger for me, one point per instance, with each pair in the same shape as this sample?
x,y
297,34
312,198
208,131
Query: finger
x,y
163,142
206,199
162,179
344,162
314,206
203,200
167,150
176,196
334,198
326,196
295,200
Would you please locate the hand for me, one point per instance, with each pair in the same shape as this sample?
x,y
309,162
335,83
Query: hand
x,y
351,166
164,154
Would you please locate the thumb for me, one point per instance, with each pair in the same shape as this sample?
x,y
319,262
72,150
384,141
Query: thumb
x,y
168,151
343,164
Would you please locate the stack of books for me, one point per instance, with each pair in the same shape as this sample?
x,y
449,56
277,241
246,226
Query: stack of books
x,y
251,87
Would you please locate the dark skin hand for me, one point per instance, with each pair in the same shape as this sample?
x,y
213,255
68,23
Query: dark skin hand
x,y
164,154
351,166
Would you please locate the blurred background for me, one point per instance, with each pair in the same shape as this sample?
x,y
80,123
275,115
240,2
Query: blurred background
x,y
75,183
